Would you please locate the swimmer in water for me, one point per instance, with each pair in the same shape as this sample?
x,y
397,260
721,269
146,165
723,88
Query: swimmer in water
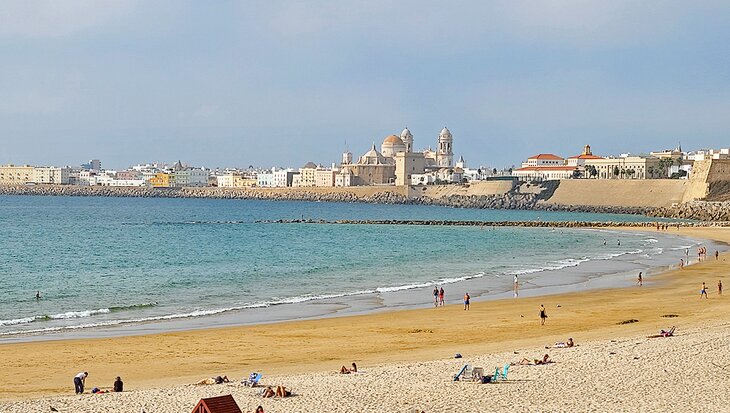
x,y
37,295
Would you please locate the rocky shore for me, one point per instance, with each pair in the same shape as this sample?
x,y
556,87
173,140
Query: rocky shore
x,y
706,211
700,210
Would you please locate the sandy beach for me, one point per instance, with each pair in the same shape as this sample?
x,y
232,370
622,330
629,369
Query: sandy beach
x,y
407,356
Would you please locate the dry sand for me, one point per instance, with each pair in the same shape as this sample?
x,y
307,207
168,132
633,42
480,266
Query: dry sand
x,y
407,356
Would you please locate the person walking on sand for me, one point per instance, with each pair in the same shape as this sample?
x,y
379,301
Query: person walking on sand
x,y
466,301
719,287
681,264
717,255
516,286
543,315
640,281
703,291
79,381
435,296
441,296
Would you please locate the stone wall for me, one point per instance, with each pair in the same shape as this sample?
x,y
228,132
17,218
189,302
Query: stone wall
x,y
644,193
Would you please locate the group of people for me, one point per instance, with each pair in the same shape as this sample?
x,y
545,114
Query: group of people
x,y
80,382
438,296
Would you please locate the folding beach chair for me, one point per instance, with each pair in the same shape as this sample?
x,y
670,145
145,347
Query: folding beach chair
x,y
253,379
465,373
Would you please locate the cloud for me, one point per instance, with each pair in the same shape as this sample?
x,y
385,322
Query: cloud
x,y
51,18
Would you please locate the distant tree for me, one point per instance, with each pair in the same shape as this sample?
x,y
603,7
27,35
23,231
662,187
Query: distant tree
x,y
591,171
494,171
630,172
576,173
616,171
651,171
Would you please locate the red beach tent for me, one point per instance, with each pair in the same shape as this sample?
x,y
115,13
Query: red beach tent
x,y
220,404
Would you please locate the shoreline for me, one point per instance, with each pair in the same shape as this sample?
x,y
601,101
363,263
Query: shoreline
x,y
166,359
594,273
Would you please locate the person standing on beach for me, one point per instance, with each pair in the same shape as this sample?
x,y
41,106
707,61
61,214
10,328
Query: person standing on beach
x,y
441,296
516,286
719,287
681,264
435,296
466,301
543,315
79,381
640,281
717,255
703,291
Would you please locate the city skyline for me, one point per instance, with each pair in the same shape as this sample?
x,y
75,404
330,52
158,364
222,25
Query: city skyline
x,y
238,84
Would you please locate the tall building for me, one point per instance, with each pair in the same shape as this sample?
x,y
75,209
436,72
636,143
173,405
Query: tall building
x,y
407,137
445,151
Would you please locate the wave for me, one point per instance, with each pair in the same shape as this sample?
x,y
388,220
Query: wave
x,y
559,265
73,314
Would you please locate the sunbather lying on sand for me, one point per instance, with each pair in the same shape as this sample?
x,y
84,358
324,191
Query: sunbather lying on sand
x,y
567,344
267,392
281,391
545,360
214,380
345,370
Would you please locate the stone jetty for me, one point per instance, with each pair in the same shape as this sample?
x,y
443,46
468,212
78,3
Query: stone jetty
x,y
488,224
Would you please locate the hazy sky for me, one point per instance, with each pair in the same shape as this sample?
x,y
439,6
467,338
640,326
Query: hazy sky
x,y
229,83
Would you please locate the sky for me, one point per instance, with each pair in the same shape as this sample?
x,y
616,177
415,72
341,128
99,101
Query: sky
x,y
281,83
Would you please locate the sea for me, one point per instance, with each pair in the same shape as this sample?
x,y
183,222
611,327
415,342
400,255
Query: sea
x,y
119,266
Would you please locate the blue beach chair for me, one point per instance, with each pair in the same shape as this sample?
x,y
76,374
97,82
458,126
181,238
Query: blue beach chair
x,y
253,379
461,372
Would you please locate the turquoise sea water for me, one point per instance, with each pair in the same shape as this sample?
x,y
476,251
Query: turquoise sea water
x,y
124,261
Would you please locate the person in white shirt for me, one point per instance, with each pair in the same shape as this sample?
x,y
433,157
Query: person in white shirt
x,y
79,381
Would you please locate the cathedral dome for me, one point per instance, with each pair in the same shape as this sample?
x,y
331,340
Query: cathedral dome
x,y
445,133
393,140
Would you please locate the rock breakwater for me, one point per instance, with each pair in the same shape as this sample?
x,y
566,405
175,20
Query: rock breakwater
x,y
699,210
527,224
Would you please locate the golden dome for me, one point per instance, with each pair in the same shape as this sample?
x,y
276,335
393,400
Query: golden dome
x,y
393,139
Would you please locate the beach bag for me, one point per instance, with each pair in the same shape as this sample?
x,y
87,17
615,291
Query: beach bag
x,y
486,379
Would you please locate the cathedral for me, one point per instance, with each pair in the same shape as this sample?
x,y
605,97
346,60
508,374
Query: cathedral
x,y
396,161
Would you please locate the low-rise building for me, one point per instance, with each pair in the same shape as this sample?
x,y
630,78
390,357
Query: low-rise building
x,y
284,177
544,167
51,175
16,175
160,180
307,175
325,177
265,179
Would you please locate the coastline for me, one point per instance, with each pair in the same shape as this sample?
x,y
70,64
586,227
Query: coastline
x,y
608,269
381,339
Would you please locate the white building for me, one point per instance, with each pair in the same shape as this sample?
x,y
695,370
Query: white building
x,y
343,178
189,177
284,177
265,179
